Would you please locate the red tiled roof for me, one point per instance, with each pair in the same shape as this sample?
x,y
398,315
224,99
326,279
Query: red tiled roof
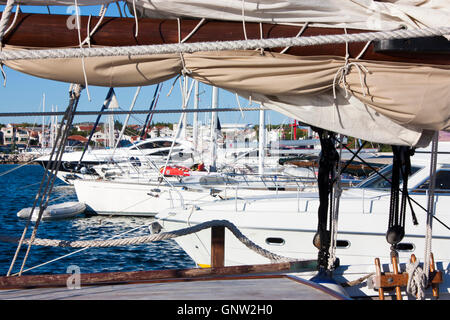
x,y
87,128
78,138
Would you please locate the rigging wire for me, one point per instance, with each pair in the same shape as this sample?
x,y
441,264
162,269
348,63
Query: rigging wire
x,y
90,113
68,116
387,180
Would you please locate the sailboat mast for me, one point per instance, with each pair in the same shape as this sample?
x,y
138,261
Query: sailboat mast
x,y
214,104
43,120
133,102
262,139
111,131
195,116
52,125
184,106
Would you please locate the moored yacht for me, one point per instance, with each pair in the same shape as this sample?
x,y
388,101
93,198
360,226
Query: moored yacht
x,y
149,195
286,224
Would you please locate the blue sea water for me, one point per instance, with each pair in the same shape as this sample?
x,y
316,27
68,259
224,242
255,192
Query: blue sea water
x,y
19,188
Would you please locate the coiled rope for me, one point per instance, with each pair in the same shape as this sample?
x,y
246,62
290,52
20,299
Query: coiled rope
x,y
154,237
219,45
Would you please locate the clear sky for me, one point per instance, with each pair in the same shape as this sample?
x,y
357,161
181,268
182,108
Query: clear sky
x,y
24,93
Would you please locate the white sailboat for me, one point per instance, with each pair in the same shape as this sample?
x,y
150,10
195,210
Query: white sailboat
x,y
131,158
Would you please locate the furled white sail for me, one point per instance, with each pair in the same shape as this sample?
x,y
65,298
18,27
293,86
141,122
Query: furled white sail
x,y
358,14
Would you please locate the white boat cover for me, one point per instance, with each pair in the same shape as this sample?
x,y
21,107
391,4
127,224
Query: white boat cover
x,y
391,103
358,14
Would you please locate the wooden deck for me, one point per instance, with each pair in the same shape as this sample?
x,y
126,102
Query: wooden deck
x,y
264,287
255,282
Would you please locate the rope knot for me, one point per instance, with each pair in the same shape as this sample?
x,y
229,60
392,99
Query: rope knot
x,y
417,281
340,77
185,71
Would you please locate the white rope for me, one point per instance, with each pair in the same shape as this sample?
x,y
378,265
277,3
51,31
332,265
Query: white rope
x,y
340,76
337,188
157,237
239,106
135,19
299,34
243,19
363,50
430,204
102,13
88,32
219,45
77,12
193,30
417,280
261,36
5,18
184,70
3,30
16,14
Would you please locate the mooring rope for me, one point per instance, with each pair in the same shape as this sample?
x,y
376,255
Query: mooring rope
x,y
154,237
220,45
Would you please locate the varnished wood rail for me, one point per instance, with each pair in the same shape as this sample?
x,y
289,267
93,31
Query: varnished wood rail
x,y
217,270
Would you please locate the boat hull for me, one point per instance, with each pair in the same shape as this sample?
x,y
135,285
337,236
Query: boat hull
x,y
287,227
133,199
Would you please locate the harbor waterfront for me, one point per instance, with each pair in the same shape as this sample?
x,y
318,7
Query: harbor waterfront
x,y
20,187
19,158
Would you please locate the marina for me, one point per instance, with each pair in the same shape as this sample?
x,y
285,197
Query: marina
x,y
345,198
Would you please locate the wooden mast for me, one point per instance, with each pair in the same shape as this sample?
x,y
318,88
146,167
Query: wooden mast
x,y
51,31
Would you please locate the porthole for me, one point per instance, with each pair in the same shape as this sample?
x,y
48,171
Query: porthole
x,y
275,241
342,244
405,247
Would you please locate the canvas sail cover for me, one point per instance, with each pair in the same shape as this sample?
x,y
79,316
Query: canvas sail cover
x,y
399,101
385,102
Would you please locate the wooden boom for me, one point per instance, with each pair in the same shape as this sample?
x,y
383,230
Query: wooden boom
x,y
52,31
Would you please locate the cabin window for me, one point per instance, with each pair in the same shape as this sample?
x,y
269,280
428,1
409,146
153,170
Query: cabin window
x,y
160,153
275,241
377,182
276,188
442,182
155,144
165,144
